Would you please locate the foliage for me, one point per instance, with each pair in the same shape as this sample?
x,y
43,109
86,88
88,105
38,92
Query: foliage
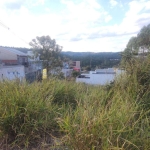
x,y
48,50
144,37
137,67
138,71
75,73
65,95
132,45
141,41
100,60
26,111
86,117
107,120
88,68
126,56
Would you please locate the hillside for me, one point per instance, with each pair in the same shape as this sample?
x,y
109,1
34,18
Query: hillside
x,y
93,60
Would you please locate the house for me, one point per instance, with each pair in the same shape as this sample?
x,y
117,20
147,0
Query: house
x,y
11,56
99,76
75,65
12,59
12,64
12,72
68,67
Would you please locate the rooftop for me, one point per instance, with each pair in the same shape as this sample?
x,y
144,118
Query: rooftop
x,y
13,51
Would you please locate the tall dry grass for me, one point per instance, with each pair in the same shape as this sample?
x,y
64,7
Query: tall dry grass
x,y
57,113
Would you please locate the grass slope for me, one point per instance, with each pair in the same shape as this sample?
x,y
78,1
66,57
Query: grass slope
x,y
56,113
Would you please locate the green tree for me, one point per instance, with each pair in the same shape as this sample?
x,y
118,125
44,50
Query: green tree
x,y
75,73
140,42
144,37
133,45
88,68
48,50
137,68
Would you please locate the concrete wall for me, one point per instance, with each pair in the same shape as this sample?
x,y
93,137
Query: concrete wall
x,y
97,79
100,78
12,72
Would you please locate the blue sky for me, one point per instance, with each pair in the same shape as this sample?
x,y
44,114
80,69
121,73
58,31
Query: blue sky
x,y
77,25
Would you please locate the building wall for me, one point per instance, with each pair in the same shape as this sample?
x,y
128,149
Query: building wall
x,y
22,60
101,77
12,56
97,79
67,72
12,72
75,64
9,62
7,55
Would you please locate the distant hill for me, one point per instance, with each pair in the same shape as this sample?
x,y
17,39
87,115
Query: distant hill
x,y
92,54
93,60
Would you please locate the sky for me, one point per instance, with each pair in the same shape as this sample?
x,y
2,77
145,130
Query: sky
x,y
77,25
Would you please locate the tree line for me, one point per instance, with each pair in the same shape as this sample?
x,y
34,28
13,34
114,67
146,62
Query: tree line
x,y
140,42
91,61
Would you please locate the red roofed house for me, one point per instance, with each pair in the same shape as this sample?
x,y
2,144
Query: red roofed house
x,y
75,65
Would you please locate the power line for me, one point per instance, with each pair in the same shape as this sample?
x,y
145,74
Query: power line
x,y
3,25
19,37
6,27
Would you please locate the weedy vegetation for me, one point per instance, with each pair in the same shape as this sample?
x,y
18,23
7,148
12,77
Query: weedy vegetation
x,y
60,114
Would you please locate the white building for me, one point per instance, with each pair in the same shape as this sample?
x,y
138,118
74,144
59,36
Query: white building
x,y
99,76
16,64
67,72
75,65
12,72
69,67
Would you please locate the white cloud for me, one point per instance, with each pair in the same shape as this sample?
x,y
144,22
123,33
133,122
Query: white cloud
x,y
37,2
81,26
82,12
147,7
77,20
137,16
113,3
83,16
114,38
108,18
